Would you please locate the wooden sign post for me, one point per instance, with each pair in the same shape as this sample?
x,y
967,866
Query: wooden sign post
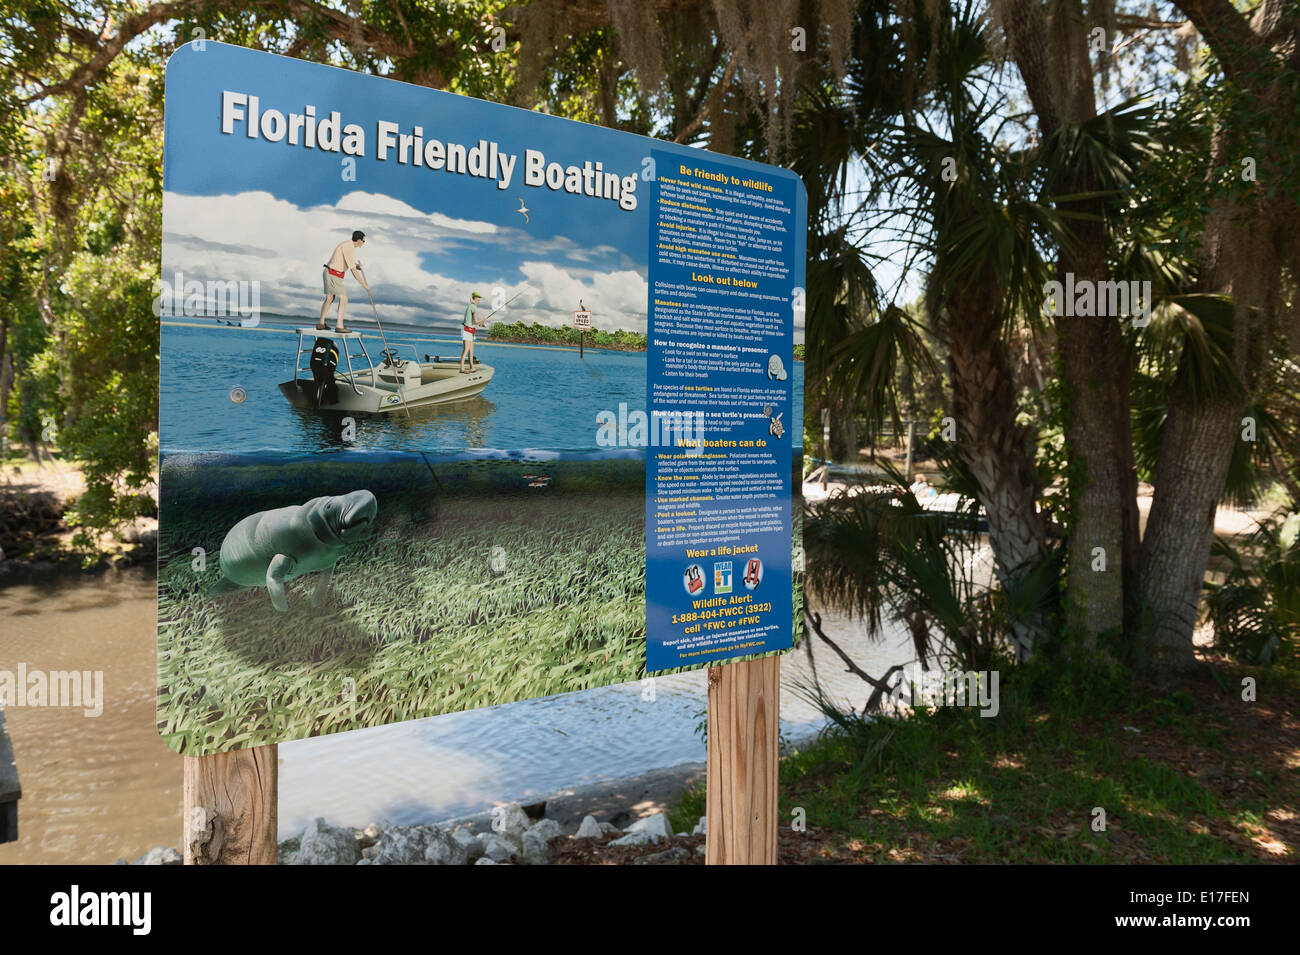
x,y
230,798
582,322
741,782
230,807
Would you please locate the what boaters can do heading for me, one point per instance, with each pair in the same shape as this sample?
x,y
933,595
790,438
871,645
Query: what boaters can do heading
x,y
484,160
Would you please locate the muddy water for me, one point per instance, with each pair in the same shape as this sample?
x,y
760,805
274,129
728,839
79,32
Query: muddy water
x,y
96,788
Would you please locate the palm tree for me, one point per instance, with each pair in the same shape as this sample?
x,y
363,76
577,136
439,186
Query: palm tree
x,y
978,221
882,557
1255,608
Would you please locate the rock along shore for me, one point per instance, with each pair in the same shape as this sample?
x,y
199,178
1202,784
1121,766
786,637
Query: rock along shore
x,y
619,822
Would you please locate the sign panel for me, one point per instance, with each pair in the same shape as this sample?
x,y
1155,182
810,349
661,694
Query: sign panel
x,y
389,488
720,336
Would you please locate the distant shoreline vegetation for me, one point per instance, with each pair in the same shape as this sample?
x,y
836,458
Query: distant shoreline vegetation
x,y
536,334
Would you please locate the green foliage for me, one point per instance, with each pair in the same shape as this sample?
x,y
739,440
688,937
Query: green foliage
x,y
84,345
536,333
692,803
1255,607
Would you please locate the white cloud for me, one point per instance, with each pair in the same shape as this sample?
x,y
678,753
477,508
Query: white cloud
x,y
608,294
256,237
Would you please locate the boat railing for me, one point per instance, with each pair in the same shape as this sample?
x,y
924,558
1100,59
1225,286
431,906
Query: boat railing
x,y
396,349
315,333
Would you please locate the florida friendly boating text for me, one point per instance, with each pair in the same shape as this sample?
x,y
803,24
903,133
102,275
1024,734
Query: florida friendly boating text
x,y
243,113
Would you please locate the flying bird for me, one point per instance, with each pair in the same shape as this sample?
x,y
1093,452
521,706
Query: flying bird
x,y
523,210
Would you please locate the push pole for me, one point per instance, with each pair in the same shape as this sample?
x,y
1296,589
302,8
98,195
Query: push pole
x,y
392,355
504,304
741,782
230,807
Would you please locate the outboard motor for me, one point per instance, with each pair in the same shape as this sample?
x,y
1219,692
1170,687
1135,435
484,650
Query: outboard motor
x,y
324,359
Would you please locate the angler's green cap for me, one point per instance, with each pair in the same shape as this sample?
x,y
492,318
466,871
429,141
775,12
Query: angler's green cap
x,y
476,295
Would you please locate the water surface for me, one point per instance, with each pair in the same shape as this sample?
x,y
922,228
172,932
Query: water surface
x,y
94,788
98,788
539,397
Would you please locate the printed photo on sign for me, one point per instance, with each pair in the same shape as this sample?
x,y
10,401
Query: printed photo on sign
x,y
444,416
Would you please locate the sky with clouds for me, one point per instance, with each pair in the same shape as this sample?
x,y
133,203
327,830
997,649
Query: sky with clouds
x,y
421,266
242,207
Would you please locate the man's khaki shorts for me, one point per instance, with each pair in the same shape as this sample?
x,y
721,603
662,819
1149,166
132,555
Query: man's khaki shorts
x,y
334,285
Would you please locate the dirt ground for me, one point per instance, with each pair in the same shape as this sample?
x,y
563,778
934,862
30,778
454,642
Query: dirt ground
x,y
33,535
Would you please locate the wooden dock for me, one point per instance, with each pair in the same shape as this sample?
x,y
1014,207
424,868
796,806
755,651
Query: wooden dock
x,y
10,790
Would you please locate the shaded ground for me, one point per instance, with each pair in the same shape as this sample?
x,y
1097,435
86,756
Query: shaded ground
x,y
1193,774
34,500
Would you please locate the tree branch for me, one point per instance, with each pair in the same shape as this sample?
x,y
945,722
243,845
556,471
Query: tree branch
x,y
1227,32
1026,27
91,71
881,686
723,85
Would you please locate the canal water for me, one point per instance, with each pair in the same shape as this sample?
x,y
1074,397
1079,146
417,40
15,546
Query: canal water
x,y
99,787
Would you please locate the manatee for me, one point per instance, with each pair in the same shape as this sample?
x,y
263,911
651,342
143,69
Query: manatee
x,y
268,548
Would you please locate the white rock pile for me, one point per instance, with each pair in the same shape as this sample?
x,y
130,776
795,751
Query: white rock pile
x,y
515,839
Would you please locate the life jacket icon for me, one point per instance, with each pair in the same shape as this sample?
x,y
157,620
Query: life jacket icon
x,y
693,579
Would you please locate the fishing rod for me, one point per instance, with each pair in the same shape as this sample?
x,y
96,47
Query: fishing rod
x,y
401,389
504,304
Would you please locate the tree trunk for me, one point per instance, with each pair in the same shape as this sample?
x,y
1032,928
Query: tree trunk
x,y
1051,54
1193,466
998,451
1242,255
6,382
1097,432
1249,240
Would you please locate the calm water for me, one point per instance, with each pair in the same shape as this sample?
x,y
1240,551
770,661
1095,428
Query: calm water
x,y
539,397
99,788
94,788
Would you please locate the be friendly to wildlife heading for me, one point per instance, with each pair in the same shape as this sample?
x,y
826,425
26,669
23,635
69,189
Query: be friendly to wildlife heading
x,y
486,159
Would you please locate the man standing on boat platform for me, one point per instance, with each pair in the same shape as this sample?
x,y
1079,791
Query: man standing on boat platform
x,y
468,327
341,261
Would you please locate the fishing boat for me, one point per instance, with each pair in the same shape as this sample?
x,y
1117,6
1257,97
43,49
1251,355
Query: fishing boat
x,y
396,383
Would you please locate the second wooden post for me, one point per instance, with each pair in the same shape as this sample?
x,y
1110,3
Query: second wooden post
x,y
230,808
742,803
